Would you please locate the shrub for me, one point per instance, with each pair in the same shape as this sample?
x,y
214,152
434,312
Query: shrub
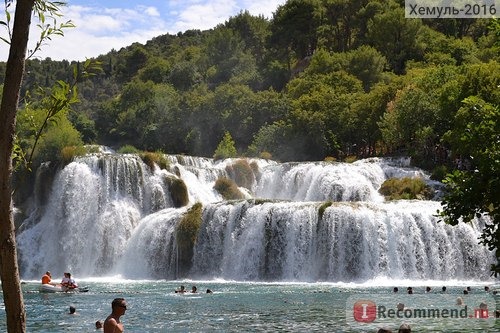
x,y
350,159
128,149
405,188
439,173
266,155
242,173
228,189
158,158
68,153
162,162
52,143
186,234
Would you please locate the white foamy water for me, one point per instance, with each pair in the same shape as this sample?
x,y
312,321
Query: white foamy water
x,y
111,215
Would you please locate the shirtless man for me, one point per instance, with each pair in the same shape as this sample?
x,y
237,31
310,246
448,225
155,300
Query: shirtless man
x,y
112,324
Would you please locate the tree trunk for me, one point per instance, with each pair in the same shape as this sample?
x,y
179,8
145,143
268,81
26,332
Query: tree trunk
x,y
9,270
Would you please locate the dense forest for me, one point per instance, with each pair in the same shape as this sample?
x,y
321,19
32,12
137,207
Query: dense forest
x,y
320,80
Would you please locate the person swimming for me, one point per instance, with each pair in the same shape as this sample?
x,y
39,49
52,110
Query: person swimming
x,y
181,290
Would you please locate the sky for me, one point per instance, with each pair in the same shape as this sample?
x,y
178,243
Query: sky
x,y
103,25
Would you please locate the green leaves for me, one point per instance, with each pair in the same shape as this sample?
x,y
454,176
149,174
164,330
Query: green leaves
x,y
475,189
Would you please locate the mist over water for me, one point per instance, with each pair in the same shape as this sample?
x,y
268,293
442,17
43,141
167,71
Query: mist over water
x,y
109,214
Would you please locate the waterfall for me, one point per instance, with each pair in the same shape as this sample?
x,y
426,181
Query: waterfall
x,y
109,214
349,242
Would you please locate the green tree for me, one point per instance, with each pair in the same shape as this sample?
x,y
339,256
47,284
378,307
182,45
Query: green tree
x,y
184,75
225,56
474,190
293,29
156,69
319,105
226,148
411,111
253,31
340,24
395,36
135,58
365,113
278,139
367,64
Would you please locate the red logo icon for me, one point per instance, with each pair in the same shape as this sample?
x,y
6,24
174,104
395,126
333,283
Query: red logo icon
x,y
481,313
365,311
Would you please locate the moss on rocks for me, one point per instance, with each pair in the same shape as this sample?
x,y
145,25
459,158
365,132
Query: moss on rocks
x,y
178,191
228,189
242,173
186,235
406,188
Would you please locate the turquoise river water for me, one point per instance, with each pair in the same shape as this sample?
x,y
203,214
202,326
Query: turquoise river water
x,y
236,307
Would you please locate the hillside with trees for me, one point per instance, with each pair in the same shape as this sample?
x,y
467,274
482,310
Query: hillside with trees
x,y
334,80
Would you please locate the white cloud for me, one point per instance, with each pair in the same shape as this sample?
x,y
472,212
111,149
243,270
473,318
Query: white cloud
x,y
262,7
205,16
151,11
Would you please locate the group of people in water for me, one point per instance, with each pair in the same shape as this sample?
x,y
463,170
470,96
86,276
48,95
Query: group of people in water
x,y
67,281
466,291
194,290
405,328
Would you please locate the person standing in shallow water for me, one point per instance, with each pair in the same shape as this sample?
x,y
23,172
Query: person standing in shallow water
x,y
112,324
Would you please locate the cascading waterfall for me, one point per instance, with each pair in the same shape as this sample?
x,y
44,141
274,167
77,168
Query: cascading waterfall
x,y
94,206
349,242
109,214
